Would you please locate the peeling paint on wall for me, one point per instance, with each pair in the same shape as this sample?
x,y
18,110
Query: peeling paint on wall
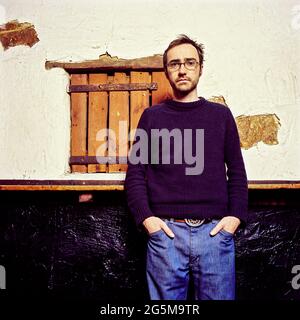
x,y
14,33
218,99
253,129
256,128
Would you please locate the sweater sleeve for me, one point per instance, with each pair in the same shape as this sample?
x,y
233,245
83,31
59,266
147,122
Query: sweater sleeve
x,y
135,181
237,184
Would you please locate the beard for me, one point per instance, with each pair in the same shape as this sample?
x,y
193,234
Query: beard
x,y
184,88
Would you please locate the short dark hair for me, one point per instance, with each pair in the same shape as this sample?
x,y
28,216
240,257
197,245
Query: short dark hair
x,y
182,39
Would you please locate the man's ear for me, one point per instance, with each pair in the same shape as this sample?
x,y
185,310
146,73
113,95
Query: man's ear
x,y
166,73
201,70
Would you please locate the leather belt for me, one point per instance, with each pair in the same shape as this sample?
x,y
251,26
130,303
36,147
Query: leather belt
x,y
190,222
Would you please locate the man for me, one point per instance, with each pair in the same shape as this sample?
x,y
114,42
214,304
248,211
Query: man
x,y
190,217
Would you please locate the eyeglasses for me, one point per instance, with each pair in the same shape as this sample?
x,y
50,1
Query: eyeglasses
x,y
190,64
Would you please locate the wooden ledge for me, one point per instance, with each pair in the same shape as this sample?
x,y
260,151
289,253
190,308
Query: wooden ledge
x,y
107,62
98,185
61,185
273,184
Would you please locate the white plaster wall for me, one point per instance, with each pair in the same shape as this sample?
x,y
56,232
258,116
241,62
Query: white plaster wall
x,y
252,59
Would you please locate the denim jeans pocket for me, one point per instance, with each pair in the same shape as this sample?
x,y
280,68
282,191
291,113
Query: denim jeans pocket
x,y
226,233
223,232
156,233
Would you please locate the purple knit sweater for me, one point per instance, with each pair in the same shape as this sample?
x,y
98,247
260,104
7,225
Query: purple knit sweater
x,y
165,190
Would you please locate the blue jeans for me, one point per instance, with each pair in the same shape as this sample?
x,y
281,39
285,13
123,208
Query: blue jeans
x,y
210,260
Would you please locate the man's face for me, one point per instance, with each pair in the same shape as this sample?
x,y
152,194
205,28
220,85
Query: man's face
x,y
183,81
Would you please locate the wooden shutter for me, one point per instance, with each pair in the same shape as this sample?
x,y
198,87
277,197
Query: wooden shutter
x,y
94,108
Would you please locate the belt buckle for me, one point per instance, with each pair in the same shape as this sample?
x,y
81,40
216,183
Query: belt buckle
x,y
194,222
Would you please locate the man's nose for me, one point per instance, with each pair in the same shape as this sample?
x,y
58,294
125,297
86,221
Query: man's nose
x,y
182,68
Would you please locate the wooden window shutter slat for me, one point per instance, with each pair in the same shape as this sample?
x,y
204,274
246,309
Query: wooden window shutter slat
x,y
164,90
97,120
79,121
119,111
139,100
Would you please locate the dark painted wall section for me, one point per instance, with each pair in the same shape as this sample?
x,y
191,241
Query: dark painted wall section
x,y
51,243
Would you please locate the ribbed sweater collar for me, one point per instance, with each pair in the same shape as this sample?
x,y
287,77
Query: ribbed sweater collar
x,y
184,106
